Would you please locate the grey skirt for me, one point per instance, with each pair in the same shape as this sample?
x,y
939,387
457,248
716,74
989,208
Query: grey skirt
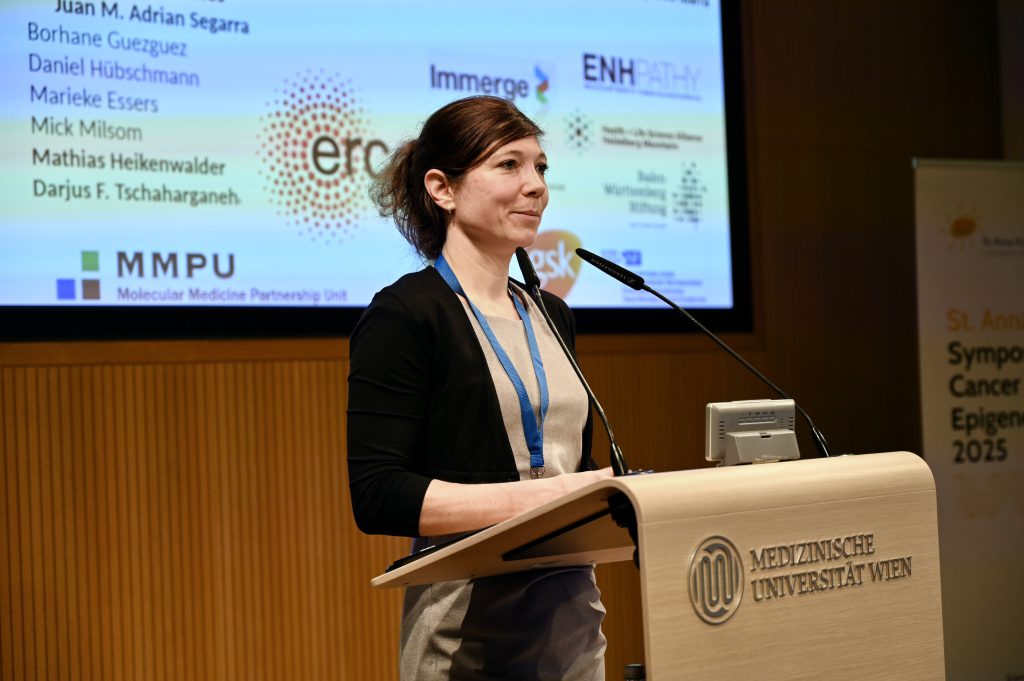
x,y
537,625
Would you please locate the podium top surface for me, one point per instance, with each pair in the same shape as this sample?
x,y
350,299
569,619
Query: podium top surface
x,y
577,529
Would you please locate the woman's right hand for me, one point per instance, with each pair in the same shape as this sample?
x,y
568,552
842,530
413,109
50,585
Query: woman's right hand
x,y
450,507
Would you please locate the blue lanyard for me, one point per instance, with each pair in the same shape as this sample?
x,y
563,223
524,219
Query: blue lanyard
x,y
533,430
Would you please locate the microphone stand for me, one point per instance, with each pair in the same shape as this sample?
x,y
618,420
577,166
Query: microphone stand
x,y
622,511
636,282
533,288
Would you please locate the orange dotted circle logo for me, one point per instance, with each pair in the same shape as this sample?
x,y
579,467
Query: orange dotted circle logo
x,y
315,159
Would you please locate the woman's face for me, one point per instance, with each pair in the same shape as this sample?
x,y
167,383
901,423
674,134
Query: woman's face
x,y
499,203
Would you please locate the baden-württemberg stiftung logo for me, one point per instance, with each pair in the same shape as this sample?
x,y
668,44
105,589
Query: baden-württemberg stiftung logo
x,y
716,580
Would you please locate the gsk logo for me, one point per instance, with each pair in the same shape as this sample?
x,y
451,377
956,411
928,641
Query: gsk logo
x,y
553,255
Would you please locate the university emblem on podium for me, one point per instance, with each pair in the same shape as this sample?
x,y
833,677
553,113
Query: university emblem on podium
x,y
716,580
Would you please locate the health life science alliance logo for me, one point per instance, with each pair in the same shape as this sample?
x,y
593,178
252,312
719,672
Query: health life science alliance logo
x,y
578,129
317,158
716,580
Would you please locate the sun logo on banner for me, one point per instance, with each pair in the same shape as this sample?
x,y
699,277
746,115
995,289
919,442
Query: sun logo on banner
x,y
961,230
315,161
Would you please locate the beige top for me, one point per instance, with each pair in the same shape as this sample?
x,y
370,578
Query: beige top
x,y
543,624
567,400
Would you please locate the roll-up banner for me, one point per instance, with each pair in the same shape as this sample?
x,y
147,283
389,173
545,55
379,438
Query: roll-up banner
x,y
970,293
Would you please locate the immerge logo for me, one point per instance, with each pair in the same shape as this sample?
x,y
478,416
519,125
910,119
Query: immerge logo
x,y
499,85
543,85
716,580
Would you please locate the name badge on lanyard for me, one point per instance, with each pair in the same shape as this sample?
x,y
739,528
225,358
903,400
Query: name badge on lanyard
x,y
533,428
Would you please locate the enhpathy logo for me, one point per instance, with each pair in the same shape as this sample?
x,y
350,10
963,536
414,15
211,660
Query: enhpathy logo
x,y
635,75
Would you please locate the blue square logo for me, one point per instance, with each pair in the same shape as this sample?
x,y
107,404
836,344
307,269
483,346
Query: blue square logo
x,y
65,289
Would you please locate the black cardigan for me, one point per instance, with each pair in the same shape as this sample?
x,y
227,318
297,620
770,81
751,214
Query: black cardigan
x,y
422,405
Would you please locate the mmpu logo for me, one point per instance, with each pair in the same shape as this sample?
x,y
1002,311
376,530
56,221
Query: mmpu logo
x,y
90,287
716,580
173,265
317,155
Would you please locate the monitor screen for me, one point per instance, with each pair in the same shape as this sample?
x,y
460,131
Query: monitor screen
x,y
191,161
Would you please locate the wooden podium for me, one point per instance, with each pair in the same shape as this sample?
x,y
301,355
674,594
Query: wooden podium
x,y
812,569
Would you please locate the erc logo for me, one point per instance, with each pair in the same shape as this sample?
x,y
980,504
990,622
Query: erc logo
x,y
318,157
716,580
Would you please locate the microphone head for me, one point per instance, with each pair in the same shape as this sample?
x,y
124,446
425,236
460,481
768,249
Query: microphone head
x,y
634,281
530,277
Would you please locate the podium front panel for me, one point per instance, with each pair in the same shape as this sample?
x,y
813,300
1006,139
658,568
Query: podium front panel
x,y
810,577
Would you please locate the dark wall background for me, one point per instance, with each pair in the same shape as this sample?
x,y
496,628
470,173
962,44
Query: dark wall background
x,y
843,96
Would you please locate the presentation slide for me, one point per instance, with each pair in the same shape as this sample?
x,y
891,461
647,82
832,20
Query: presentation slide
x,y
219,153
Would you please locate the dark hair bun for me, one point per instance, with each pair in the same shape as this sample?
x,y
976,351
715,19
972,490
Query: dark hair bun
x,y
455,139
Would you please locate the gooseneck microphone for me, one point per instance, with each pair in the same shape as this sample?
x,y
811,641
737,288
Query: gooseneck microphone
x,y
533,287
636,282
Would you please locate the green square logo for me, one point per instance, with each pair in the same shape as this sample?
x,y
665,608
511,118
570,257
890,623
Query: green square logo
x,y
90,261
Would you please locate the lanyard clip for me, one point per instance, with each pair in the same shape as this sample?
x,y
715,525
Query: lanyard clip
x,y
536,472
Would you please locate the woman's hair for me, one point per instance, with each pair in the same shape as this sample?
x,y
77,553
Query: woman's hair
x,y
455,139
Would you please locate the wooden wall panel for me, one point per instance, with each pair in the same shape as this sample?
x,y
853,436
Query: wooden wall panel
x,y
169,519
